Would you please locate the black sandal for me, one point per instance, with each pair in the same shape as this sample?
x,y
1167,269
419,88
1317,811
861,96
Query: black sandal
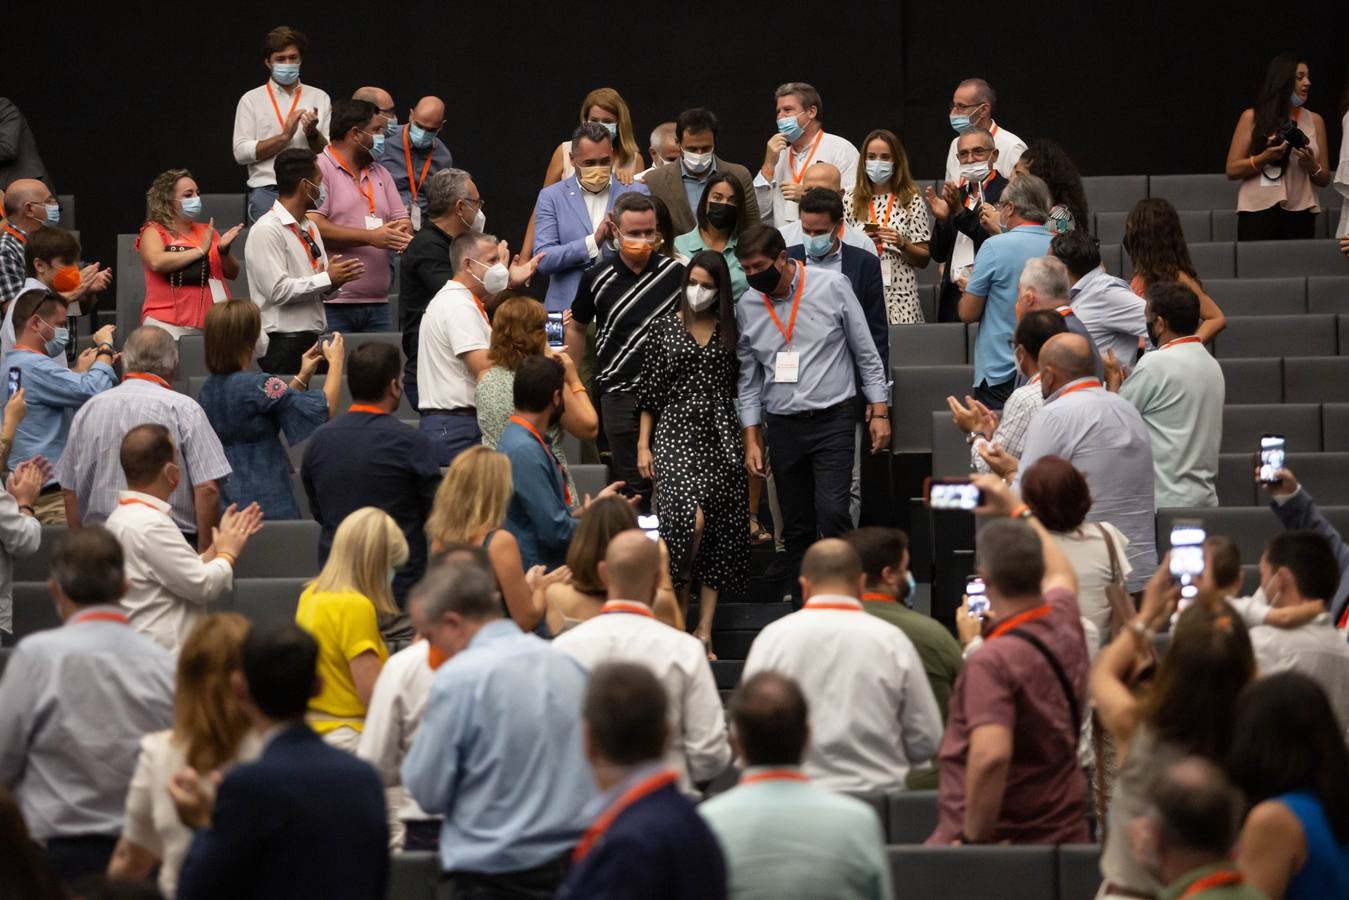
x,y
757,533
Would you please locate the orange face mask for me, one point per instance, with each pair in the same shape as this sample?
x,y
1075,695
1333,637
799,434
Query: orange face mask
x,y
638,250
435,657
66,279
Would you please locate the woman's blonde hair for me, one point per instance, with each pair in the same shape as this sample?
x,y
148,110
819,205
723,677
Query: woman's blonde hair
x,y
612,102
367,545
208,719
472,497
901,182
160,207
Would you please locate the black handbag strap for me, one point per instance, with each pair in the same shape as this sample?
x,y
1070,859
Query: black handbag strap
x,y
1064,683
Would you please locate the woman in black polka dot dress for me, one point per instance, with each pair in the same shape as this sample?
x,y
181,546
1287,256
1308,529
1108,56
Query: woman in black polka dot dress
x,y
690,439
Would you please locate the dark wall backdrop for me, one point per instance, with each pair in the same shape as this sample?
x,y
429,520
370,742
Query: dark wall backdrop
x,y
124,91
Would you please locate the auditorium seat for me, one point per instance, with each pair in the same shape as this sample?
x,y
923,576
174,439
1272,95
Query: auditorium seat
x,y
916,394
1195,224
1250,380
128,286
929,274
4,659
226,209
238,285
912,816
950,454
1113,193
1266,336
1265,259
927,299
877,801
1112,257
1249,527
931,344
414,875
1323,475
1335,426
268,599
1207,190
1236,479
34,609
1328,294
1300,423
301,497
1224,224
1215,259
1259,296
283,549
980,872
67,202
1079,871
36,566
191,359
1316,379
971,335
590,479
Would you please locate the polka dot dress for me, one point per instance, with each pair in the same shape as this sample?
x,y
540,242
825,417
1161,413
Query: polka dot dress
x,y
699,457
901,294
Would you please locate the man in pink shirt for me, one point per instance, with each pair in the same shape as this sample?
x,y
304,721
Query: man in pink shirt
x,y
361,215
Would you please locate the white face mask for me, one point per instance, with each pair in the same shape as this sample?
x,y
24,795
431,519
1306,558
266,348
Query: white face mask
x,y
700,297
479,223
496,278
697,163
975,172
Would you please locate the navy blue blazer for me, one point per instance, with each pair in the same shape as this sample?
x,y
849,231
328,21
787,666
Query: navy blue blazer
x,y
303,820
657,849
863,272
943,241
561,226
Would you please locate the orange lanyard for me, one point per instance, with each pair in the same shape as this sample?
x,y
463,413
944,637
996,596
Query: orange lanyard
x,y
368,192
872,597
796,305
993,129
1217,879
626,606
18,235
774,775
1065,311
100,616
1029,615
308,245
366,408
1191,339
415,183
632,795
566,491
889,207
845,607
482,309
276,109
146,376
797,176
132,501
1080,387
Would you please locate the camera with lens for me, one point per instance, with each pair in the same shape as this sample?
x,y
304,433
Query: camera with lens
x,y
1290,134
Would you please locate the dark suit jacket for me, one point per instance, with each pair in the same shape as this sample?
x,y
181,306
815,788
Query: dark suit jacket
x,y
863,271
303,820
667,183
943,241
657,849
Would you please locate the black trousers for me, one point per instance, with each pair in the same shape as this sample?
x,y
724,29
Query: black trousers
x,y
284,349
994,396
620,420
812,466
73,858
539,883
1276,224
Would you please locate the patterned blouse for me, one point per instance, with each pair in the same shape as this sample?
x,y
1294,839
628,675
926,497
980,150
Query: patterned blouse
x,y
901,279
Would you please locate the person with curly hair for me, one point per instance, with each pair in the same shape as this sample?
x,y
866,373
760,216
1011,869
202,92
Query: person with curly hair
x,y
1156,245
1048,161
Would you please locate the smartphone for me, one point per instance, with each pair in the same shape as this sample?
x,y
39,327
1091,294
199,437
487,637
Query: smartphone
x,y
651,525
554,329
325,338
871,227
953,493
15,382
1271,458
977,592
1187,556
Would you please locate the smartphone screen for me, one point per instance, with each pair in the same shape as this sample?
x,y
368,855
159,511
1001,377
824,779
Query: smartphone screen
x,y
15,382
554,329
1271,458
975,590
1187,555
651,525
960,495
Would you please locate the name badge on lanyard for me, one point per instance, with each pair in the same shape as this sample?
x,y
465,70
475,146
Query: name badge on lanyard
x,y
786,367
372,222
217,287
887,273
787,363
415,211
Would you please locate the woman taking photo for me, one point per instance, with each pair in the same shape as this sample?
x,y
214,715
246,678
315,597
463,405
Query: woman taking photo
x,y
518,332
885,203
1279,153
1047,161
1188,709
210,733
469,509
249,409
689,439
341,608
720,222
186,263
580,596
1288,757
1156,244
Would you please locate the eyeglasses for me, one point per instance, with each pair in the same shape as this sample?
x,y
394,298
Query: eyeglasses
x,y
974,153
964,107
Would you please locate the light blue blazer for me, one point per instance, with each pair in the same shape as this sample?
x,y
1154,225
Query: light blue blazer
x,y
561,226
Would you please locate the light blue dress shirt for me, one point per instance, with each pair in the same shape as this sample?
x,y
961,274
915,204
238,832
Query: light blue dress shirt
x,y
499,754
996,278
1113,314
53,394
831,336
695,184
787,838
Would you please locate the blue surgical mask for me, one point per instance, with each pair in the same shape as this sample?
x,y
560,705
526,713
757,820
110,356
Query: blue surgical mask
x,y
376,144
911,588
391,126
879,170
286,73
818,245
60,337
961,124
1297,100
789,128
52,214
323,194
612,128
420,137
190,206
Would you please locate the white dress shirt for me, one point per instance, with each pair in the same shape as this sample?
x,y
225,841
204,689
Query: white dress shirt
x,y
776,209
283,278
1316,650
168,584
1009,146
391,721
597,204
454,324
255,119
872,712
699,749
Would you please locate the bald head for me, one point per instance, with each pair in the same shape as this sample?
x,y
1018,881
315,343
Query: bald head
x,y
631,567
831,566
429,113
146,450
24,200
823,175
378,96
1069,354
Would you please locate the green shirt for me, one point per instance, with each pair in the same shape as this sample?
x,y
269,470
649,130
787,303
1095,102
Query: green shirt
x,y
939,651
1241,891
691,243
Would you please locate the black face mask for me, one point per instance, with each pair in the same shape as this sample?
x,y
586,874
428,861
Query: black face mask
x,y
721,215
765,282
